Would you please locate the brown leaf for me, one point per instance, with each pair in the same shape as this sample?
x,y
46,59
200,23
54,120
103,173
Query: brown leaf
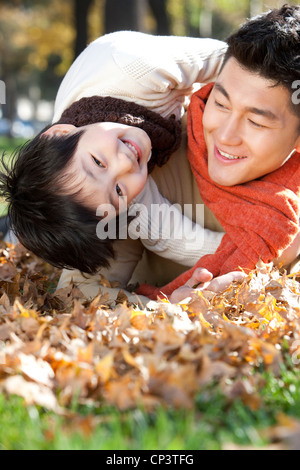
x,y
63,345
104,368
5,331
214,370
30,326
7,271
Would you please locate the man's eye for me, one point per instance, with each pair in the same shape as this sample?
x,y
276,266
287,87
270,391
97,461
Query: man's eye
x,y
219,105
98,162
255,124
119,191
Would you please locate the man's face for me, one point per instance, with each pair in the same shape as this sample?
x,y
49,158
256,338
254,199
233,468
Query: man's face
x,y
249,126
109,164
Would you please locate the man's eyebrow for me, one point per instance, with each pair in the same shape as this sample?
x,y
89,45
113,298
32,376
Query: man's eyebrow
x,y
263,112
251,109
220,88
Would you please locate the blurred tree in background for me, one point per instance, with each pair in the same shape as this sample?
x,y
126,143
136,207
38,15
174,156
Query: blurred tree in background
x,y
36,47
39,39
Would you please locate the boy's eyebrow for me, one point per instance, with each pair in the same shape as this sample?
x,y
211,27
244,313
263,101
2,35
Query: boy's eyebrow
x,y
251,109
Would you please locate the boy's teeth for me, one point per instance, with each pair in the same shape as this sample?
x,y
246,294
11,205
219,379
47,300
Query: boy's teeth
x,y
227,155
132,148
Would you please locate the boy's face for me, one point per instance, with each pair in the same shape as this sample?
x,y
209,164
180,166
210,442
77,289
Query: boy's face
x,y
110,163
249,126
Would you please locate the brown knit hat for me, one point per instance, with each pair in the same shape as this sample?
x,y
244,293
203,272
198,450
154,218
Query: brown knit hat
x,y
165,134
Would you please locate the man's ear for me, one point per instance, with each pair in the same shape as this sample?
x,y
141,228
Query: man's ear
x,y
58,130
297,147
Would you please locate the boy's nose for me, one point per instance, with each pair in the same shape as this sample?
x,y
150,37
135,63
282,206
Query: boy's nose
x,y
124,163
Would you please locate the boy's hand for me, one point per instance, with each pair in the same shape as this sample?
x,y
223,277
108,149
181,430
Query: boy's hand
x,y
202,280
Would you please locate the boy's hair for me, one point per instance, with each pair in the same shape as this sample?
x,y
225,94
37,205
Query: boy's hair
x,y
269,44
51,224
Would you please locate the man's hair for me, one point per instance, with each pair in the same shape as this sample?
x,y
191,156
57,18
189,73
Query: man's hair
x,y
269,44
46,220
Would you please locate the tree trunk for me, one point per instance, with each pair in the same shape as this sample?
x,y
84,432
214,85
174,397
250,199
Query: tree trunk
x,y
121,15
159,10
206,19
81,9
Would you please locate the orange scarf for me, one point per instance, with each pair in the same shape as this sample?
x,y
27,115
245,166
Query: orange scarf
x,y
260,217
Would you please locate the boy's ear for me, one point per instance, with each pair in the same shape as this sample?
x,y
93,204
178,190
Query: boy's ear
x,y
59,130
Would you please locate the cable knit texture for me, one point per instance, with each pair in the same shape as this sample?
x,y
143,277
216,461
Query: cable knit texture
x,y
260,217
164,133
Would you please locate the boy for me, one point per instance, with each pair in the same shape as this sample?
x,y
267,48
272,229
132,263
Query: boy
x,y
244,146
82,160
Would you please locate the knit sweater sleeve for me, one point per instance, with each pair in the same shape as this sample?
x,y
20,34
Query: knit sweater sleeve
x,y
158,72
163,229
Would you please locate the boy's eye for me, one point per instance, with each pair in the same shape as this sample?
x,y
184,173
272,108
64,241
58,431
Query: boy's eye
x,y
97,162
119,191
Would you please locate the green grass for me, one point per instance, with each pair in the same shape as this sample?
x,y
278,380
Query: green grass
x,y
30,428
212,423
8,146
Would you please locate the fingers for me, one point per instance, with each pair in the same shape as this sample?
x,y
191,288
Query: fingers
x,y
200,275
223,282
204,277
181,293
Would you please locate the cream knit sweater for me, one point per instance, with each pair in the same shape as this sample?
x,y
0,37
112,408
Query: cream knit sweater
x,y
159,73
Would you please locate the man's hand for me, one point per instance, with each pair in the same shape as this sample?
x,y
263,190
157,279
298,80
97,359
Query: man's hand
x,y
202,280
290,253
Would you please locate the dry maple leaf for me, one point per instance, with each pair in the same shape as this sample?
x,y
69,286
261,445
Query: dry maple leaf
x,y
58,345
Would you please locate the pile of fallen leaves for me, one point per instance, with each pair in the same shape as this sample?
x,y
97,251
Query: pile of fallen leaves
x,y
56,346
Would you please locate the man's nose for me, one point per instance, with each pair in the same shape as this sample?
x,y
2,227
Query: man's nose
x,y
229,133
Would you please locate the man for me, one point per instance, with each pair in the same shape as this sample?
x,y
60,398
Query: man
x,y
244,147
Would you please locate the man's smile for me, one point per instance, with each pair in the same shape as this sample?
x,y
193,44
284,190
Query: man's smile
x,y
229,156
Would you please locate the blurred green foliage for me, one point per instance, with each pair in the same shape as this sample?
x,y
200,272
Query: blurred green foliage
x,y
37,37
